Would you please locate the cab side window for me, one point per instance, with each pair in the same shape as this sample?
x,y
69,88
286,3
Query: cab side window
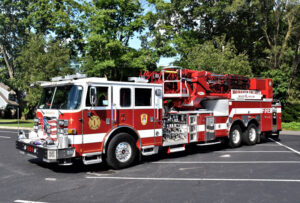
x,y
125,97
143,97
102,97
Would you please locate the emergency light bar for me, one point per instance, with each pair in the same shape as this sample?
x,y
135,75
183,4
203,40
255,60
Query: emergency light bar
x,y
68,77
137,79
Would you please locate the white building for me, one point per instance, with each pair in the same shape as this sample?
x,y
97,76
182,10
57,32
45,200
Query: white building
x,y
8,98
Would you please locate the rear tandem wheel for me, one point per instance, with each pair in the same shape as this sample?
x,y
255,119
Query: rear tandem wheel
x,y
235,136
250,135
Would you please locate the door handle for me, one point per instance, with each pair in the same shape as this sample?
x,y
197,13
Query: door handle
x,y
114,113
123,117
157,114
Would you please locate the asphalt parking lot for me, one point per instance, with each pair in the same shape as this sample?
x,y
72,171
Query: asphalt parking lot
x,y
267,172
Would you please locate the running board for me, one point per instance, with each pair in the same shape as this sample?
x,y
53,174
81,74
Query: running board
x,y
92,158
176,149
149,150
209,143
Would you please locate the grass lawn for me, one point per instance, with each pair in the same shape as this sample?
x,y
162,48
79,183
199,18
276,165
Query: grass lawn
x,y
14,123
291,126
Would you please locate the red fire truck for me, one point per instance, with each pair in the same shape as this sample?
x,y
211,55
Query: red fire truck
x,y
94,119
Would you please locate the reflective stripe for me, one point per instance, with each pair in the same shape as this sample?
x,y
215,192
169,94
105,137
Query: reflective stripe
x,y
94,138
220,126
88,138
146,133
201,128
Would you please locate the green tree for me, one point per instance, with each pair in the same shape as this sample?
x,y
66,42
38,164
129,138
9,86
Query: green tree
x,y
42,60
216,56
111,25
267,32
280,24
63,20
13,33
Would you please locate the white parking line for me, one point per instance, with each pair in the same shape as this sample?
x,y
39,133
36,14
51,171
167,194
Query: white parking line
x,y
253,152
293,150
5,137
5,131
27,201
225,156
227,162
50,179
196,179
268,145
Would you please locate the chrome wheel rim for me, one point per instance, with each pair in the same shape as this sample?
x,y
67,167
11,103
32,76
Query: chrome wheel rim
x,y
123,152
252,134
236,136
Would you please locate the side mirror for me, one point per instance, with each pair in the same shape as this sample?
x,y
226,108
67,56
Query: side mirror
x,y
158,92
93,96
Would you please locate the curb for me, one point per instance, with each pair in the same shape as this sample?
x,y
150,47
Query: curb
x,y
15,128
288,132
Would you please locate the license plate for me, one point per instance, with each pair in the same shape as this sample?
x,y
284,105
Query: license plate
x,y
30,149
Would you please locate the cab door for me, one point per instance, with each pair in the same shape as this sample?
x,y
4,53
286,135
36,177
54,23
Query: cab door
x,y
123,105
97,118
144,113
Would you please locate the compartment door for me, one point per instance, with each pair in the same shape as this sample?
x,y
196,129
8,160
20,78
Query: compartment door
x,y
158,115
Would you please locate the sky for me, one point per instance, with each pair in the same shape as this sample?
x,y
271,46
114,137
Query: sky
x,y
135,42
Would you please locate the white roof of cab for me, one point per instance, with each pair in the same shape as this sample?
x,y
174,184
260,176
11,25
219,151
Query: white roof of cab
x,y
95,81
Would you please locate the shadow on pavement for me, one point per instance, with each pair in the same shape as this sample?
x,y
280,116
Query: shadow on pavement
x,y
79,167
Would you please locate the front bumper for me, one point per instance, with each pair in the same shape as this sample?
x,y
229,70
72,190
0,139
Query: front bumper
x,y
49,153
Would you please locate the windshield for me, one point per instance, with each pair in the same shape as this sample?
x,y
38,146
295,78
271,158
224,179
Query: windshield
x,y
62,97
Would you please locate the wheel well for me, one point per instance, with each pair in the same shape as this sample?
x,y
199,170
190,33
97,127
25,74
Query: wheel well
x,y
255,122
120,130
239,123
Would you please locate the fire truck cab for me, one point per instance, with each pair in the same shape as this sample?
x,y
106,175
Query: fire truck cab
x,y
94,119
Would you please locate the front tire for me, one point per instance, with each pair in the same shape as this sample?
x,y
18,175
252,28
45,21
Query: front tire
x,y
122,151
235,136
251,135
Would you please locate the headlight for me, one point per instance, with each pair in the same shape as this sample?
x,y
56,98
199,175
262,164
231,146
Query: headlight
x,y
36,121
63,123
51,154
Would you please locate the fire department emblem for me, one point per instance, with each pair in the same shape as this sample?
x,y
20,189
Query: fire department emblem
x,y
94,122
144,119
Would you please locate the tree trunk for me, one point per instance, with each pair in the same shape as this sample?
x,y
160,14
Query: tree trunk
x,y
9,66
296,62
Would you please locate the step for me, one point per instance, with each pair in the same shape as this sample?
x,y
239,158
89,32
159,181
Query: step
x,y
176,149
209,143
92,158
149,150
